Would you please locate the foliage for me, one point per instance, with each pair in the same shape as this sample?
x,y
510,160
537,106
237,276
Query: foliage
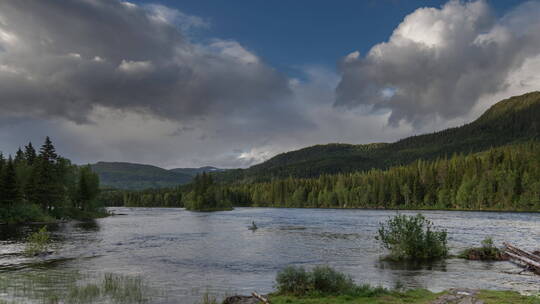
x,y
412,237
321,281
47,180
294,280
487,252
205,196
38,242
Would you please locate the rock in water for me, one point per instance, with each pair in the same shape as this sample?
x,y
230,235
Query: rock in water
x,y
241,300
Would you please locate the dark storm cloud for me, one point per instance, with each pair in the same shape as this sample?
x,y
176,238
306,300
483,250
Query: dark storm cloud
x,y
62,58
439,62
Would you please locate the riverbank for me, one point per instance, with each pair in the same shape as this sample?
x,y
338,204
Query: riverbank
x,y
417,296
38,217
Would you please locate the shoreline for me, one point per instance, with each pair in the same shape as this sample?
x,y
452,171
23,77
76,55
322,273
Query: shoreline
x,y
343,208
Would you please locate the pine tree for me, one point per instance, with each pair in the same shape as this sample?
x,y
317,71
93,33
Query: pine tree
x,y
2,165
19,157
48,152
11,194
30,153
47,183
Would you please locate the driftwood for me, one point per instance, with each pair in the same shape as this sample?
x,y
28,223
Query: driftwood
x,y
260,297
522,252
529,260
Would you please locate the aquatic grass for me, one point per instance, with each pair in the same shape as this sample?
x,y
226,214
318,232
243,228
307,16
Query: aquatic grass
x,y
125,289
207,298
74,288
38,242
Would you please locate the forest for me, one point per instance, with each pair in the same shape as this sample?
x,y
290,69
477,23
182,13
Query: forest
x,y
502,178
41,186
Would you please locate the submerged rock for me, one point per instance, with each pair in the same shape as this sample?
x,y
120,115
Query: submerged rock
x,y
241,300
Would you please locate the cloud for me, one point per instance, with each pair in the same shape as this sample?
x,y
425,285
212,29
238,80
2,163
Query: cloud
x,y
175,17
117,81
440,62
63,59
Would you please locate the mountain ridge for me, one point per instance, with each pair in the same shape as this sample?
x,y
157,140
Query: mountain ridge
x,y
513,119
134,176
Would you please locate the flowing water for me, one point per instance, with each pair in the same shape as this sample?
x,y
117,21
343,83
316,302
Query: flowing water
x,y
185,254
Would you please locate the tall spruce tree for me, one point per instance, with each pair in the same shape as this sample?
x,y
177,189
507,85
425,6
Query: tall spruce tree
x,y
2,165
19,157
47,183
30,153
11,193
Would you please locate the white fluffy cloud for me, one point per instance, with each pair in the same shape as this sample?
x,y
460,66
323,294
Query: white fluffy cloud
x,y
440,62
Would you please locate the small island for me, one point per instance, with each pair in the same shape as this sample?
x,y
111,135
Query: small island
x,y
205,196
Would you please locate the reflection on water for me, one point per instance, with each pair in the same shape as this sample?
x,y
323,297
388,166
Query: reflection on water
x,y
185,254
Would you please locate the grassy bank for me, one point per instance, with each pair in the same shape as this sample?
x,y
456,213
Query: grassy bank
x,y
324,285
417,296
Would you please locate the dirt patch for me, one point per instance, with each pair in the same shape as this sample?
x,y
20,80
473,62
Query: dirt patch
x,y
459,296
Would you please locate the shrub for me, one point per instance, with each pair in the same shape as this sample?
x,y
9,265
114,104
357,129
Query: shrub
x,y
321,281
488,252
23,213
329,281
38,242
412,237
294,280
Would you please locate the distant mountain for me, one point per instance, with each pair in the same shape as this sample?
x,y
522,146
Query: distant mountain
x,y
136,176
131,176
195,171
512,120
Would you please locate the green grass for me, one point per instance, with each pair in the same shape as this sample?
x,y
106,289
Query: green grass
x,y
505,297
417,296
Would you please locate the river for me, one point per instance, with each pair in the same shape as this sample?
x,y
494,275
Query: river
x,y
185,254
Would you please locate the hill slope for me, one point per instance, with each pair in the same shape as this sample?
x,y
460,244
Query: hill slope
x,y
194,171
512,120
136,176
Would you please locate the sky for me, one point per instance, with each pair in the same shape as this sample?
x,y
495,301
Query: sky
x,y
232,83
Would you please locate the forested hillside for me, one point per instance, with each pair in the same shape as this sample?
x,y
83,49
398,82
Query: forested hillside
x,y
130,176
39,186
503,178
195,171
492,163
516,119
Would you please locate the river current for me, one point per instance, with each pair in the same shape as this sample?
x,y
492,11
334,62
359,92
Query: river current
x,y
185,254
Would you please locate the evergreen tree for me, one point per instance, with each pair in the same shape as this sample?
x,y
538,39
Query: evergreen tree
x,y
11,194
30,153
48,188
19,157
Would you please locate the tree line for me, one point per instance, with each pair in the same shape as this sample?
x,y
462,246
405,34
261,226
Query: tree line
x,y
503,178
41,185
